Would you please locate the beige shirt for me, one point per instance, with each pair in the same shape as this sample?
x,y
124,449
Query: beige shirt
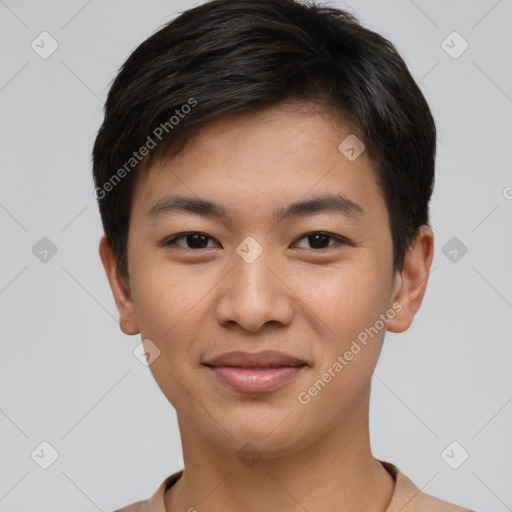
x,y
406,497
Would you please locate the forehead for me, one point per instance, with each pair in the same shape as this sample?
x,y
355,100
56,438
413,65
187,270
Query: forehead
x,y
262,161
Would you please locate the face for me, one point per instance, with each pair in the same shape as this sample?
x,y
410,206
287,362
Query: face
x,y
316,283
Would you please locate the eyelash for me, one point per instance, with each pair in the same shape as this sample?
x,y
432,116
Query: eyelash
x,y
340,240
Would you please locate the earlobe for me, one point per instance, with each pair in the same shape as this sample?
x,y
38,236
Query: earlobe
x,y
411,283
122,294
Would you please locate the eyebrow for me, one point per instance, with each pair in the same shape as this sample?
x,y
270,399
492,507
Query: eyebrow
x,y
326,203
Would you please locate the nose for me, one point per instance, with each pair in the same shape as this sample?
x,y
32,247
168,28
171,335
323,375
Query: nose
x,y
253,295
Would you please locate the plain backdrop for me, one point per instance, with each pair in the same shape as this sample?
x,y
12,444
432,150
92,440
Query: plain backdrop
x,y
68,375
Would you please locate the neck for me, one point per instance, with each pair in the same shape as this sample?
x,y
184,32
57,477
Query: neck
x,y
336,471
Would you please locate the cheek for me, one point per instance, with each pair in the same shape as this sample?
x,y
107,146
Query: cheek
x,y
172,306
346,299
162,291
344,305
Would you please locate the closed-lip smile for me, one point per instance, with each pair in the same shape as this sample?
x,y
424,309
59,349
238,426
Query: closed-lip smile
x,y
257,372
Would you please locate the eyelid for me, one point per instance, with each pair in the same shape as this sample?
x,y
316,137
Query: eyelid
x,y
339,239
172,240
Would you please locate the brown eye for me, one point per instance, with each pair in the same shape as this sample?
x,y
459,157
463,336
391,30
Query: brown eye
x,y
320,240
193,240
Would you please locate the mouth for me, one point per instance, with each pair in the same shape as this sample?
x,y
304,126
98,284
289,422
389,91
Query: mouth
x,y
255,373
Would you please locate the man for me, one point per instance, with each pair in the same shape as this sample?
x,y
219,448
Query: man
x,y
263,174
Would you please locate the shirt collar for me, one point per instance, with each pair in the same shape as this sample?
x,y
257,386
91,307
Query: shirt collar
x,y
403,498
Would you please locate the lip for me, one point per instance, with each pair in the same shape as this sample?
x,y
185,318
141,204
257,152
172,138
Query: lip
x,y
255,372
262,359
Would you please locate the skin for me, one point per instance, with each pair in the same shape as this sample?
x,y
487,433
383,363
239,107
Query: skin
x,y
195,303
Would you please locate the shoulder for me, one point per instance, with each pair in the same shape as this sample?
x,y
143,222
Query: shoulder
x,y
139,506
408,498
156,502
429,503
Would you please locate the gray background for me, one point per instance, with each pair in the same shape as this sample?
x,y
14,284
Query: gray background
x,y
67,373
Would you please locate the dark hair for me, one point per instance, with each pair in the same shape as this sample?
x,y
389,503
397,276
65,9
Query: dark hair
x,y
229,56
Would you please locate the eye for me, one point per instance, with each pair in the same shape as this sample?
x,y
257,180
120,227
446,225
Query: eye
x,y
197,240
319,239
194,239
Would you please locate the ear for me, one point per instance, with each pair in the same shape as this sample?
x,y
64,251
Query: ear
x,y
411,281
120,289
